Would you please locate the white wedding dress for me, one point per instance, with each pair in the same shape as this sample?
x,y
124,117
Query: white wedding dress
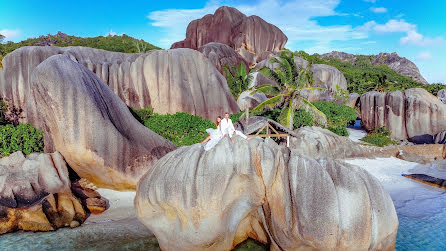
x,y
216,135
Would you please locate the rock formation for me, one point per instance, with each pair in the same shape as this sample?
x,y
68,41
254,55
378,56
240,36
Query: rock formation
x,y
399,64
221,55
316,142
442,95
247,100
252,37
216,199
179,80
90,126
406,114
35,194
328,77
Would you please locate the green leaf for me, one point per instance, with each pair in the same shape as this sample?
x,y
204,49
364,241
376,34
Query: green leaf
x,y
287,115
269,103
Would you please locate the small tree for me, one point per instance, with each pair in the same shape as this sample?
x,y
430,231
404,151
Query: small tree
x,y
238,79
291,80
141,46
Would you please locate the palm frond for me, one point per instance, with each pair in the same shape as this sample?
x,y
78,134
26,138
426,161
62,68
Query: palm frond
x,y
267,89
269,103
287,115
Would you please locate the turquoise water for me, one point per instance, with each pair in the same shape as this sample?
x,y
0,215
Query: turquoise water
x,y
422,233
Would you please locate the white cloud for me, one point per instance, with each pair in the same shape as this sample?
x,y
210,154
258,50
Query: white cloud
x,y
378,9
415,38
295,18
400,26
424,56
10,35
369,42
395,26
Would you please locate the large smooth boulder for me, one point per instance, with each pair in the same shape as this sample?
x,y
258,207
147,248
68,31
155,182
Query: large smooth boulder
x,y
248,100
406,114
91,127
35,193
252,37
442,95
180,80
317,142
215,199
328,77
220,55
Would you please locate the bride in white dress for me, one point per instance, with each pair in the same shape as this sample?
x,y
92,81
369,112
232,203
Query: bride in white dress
x,y
214,136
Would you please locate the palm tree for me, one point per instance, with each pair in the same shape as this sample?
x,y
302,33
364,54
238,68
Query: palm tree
x,y
238,79
291,79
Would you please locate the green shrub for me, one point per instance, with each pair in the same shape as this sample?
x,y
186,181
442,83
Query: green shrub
x,y
338,116
180,128
272,114
379,137
363,76
23,137
142,114
302,118
434,88
236,116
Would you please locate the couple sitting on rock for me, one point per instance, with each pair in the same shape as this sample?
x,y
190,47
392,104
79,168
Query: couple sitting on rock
x,y
225,128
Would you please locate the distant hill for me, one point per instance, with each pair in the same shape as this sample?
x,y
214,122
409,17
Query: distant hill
x,y
116,43
370,73
399,64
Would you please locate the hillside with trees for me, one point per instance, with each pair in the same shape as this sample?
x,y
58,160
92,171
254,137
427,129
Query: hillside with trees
x,y
363,76
115,43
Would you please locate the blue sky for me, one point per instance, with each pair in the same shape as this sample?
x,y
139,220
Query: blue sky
x,y
413,29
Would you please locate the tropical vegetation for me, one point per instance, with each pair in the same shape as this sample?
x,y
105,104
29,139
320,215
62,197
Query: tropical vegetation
x,y
122,43
238,78
291,80
363,76
16,136
180,128
338,116
380,136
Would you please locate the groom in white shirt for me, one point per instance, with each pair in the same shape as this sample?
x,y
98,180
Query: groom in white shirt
x,y
227,128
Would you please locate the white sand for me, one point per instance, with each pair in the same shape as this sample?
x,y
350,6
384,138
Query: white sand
x,y
411,198
121,206
356,134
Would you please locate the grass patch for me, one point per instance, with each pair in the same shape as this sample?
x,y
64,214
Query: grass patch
x,y
379,137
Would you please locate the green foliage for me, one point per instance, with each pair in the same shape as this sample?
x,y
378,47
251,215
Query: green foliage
x,y
116,43
180,128
3,109
236,116
271,114
341,95
434,88
338,116
363,76
23,137
303,118
142,114
237,78
379,137
291,79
